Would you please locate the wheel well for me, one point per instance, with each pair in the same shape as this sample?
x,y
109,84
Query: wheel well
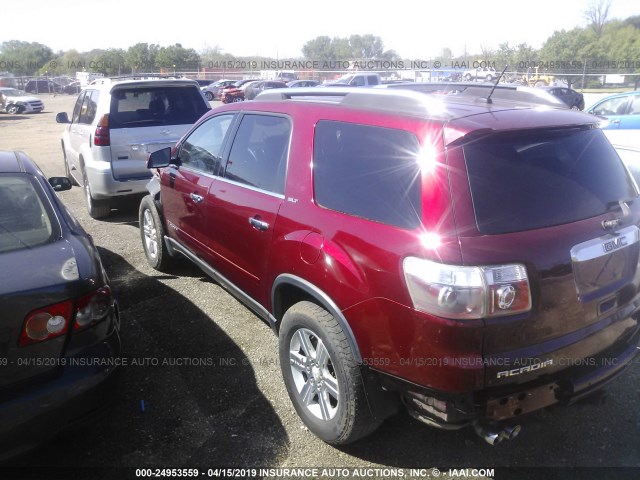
x,y
286,296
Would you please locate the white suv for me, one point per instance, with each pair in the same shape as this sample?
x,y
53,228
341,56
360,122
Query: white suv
x,y
480,73
114,127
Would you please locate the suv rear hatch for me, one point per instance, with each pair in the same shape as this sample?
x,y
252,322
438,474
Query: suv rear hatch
x,y
560,202
147,116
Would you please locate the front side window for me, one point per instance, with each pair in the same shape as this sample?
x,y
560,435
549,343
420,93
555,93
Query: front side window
x,y
202,150
369,172
75,118
615,106
258,157
26,218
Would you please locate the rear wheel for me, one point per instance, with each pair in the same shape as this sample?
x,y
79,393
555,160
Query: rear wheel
x,y
96,208
152,235
322,377
237,99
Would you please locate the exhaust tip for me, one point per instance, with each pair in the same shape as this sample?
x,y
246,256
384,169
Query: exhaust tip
x,y
495,434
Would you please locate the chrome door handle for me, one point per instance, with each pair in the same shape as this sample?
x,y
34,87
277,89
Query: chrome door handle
x,y
197,198
258,224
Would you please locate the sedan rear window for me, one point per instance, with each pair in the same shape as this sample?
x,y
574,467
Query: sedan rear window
x,y
26,219
154,106
536,179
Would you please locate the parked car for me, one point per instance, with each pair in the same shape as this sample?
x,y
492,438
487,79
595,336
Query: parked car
x,y
254,89
43,86
113,128
212,91
235,92
60,326
573,99
367,79
73,88
303,83
473,260
480,73
622,110
14,101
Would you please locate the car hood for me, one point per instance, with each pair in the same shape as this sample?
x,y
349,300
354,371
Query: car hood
x,y
22,98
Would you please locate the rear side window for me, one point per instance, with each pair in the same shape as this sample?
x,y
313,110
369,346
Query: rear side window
x,y
258,157
89,106
26,218
369,172
536,179
154,106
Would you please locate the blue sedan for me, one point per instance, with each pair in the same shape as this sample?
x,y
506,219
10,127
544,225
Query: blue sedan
x,y
621,110
59,326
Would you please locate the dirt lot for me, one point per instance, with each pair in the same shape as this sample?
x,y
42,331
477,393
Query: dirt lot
x,y
205,389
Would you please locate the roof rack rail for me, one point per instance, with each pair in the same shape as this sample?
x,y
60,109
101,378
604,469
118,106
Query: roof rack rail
x,y
137,76
392,101
522,95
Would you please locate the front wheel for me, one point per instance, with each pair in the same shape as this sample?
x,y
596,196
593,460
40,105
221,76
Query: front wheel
x,y
13,109
209,96
322,377
152,235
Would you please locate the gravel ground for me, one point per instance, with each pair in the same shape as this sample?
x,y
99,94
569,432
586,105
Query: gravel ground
x,y
229,408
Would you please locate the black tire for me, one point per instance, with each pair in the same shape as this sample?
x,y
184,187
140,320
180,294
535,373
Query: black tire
x,y
97,208
208,96
13,109
152,235
67,170
340,414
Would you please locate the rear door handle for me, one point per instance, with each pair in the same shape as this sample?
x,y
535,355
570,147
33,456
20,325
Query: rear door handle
x,y
197,198
258,224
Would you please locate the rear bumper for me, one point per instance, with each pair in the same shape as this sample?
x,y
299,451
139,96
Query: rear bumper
x,y
450,411
104,185
82,387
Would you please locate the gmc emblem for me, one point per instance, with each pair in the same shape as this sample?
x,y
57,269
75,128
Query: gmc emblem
x,y
614,244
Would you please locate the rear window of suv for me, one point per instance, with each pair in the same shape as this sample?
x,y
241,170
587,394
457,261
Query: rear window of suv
x,y
152,106
369,172
536,179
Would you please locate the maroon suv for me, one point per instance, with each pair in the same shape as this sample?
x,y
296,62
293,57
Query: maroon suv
x,y
472,259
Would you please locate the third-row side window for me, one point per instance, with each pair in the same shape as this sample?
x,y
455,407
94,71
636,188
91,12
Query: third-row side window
x,y
369,172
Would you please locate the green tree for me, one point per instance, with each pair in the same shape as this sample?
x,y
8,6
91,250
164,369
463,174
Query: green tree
x,y
24,58
141,57
177,57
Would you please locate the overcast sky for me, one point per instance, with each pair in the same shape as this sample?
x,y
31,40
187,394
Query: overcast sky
x,y
414,29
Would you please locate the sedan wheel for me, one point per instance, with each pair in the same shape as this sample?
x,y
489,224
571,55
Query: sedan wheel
x,y
209,96
322,377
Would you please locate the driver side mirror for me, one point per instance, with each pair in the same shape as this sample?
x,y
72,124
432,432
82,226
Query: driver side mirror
x,y
162,158
60,184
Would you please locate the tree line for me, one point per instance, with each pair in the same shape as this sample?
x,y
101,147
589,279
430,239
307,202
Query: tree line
x,y
601,46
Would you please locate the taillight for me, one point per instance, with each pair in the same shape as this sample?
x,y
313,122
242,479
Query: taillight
x,y
55,320
92,308
101,137
46,323
457,292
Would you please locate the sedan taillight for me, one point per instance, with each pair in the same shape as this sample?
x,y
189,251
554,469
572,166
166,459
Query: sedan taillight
x,y
55,320
92,308
46,323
